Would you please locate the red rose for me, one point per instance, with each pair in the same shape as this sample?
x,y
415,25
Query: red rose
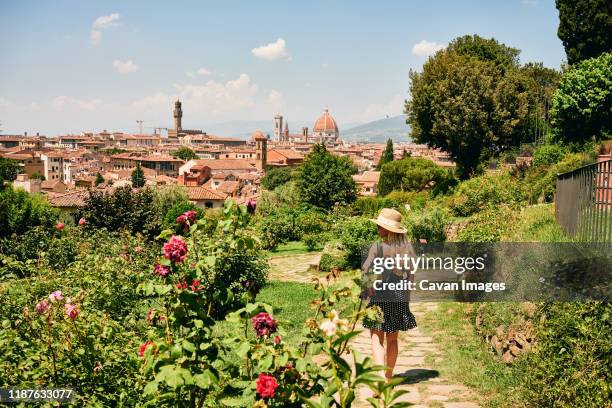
x,y
263,324
60,226
277,339
143,348
195,284
266,386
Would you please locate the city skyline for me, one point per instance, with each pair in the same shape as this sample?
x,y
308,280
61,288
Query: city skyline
x,y
94,66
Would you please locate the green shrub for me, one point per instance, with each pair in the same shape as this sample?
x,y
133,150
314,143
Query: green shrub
x,y
488,226
276,176
329,262
428,224
548,154
571,365
355,234
312,241
544,186
169,219
479,193
20,211
370,206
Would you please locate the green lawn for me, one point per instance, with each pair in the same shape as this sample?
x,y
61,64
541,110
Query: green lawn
x,y
466,358
290,301
290,248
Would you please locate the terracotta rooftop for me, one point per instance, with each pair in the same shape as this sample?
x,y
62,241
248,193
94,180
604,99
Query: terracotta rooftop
x,y
204,193
226,164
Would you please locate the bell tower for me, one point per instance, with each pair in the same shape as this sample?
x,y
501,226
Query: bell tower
x,y
178,116
278,127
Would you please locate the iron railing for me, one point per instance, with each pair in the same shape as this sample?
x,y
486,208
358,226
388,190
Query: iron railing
x,y
583,202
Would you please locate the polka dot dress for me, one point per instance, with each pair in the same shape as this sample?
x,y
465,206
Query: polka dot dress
x,y
396,317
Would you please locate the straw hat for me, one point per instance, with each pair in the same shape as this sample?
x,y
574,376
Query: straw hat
x,y
391,220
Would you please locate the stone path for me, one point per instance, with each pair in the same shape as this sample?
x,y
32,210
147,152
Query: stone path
x,y
426,386
294,268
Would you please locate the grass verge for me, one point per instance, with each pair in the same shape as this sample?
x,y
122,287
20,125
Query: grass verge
x,y
466,358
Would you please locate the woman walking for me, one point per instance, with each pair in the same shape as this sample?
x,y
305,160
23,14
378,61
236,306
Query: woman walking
x,y
396,315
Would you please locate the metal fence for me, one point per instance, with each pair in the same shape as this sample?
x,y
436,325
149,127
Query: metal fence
x,y
583,202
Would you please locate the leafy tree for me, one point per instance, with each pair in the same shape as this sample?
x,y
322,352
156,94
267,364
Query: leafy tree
x,y
485,49
123,209
582,105
540,83
324,179
8,170
38,176
20,212
387,155
409,174
276,176
468,106
585,27
138,178
99,179
185,153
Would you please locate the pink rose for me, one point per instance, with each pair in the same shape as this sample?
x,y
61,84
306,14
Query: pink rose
x,y
43,307
60,226
56,296
82,222
175,250
187,218
71,311
277,339
161,270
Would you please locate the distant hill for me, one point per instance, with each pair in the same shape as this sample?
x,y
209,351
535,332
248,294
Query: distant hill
x,y
379,131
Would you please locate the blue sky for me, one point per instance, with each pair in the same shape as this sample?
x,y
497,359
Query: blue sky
x,y
72,66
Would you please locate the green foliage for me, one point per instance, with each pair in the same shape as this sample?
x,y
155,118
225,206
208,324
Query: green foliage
x,y
289,224
482,192
123,209
488,226
370,206
582,106
184,153
285,195
548,154
540,84
387,155
324,179
8,170
329,262
484,49
169,220
276,176
138,177
469,101
114,150
355,235
313,240
99,179
409,174
37,176
540,183
584,28
429,225
572,363
20,211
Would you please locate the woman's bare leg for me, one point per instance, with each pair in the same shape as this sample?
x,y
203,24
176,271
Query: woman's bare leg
x,y
391,353
378,349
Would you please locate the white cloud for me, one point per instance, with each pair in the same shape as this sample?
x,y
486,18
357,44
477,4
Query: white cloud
x,y
66,102
95,37
426,48
106,21
203,72
125,67
273,51
275,97
5,103
212,98
102,22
